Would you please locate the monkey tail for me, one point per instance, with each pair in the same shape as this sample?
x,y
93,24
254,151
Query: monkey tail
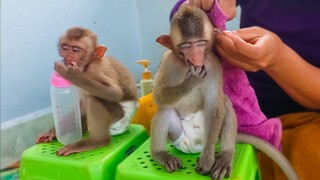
x,y
271,152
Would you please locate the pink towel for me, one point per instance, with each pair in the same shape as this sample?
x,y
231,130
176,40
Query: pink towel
x,y
236,85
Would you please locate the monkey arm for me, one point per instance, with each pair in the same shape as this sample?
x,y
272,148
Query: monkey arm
x,y
106,89
168,95
165,94
227,139
229,128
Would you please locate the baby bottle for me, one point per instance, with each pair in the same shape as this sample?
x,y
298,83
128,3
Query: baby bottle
x,y
66,110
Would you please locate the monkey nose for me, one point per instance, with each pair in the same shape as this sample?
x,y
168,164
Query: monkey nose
x,y
196,59
198,62
68,58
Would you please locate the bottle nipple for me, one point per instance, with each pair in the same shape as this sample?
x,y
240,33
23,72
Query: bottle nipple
x,y
58,81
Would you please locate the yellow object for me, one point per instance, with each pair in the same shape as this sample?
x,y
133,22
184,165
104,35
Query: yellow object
x,y
145,112
146,83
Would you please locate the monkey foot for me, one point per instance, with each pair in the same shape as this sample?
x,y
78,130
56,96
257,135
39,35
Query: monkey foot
x,y
222,166
205,164
46,136
82,145
172,163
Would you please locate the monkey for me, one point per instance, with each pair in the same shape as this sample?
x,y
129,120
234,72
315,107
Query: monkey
x,y
193,111
104,84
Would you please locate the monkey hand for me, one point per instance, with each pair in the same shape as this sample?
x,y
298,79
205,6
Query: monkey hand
x,y
70,72
222,166
195,75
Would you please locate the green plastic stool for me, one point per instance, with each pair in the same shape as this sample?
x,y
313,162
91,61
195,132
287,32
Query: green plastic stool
x,y
41,161
139,165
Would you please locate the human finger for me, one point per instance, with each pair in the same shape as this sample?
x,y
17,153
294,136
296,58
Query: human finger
x,y
229,51
252,47
249,33
195,3
206,5
226,43
228,7
235,60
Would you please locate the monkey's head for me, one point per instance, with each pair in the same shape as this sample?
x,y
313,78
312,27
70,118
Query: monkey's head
x,y
79,46
191,35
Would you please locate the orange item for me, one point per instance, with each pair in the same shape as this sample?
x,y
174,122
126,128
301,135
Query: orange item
x,y
300,144
145,111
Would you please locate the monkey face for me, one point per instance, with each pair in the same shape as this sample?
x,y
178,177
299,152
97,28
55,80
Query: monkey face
x,y
76,52
191,35
194,51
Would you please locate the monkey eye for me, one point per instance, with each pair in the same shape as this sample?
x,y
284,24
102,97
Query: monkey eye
x,y
185,45
196,43
201,43
76,49
65,47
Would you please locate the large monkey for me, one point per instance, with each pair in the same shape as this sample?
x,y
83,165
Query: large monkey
x,y
193,111
103,82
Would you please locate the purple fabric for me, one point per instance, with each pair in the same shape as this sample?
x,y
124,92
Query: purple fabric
x,y
297,23
236,85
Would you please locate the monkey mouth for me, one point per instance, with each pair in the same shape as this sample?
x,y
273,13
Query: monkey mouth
x,y
190,64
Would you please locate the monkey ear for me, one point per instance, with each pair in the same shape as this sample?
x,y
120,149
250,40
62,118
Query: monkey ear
x,y
165,40
100,51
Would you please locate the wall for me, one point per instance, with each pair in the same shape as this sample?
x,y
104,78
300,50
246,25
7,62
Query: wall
x,y
154,21
29,33
30,30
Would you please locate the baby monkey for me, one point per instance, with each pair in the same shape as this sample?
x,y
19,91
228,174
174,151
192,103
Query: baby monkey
x,y
193,111
103,83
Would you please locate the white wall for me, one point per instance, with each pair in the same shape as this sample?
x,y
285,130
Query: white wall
x,y
30,30
153,17
29,33
154,21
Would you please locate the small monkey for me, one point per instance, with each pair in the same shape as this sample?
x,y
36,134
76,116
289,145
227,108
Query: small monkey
x,y
193,112
103,82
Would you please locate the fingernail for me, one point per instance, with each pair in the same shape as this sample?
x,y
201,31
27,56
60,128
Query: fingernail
x,y
227,32
217,31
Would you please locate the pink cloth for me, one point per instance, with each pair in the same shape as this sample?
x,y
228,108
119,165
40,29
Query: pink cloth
x,y
236,85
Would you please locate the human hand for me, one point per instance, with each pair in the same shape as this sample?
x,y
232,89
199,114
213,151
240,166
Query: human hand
x,y
206,5
227,6
251,49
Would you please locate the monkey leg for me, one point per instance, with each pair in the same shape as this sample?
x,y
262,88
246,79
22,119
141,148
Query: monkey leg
x,y
166,123
222,166
46,136
99,119
214,117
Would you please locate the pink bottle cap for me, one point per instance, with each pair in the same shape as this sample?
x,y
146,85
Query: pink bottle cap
x,y
58,81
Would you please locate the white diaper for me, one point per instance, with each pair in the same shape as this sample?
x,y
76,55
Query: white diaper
x,y
122,125
192,138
